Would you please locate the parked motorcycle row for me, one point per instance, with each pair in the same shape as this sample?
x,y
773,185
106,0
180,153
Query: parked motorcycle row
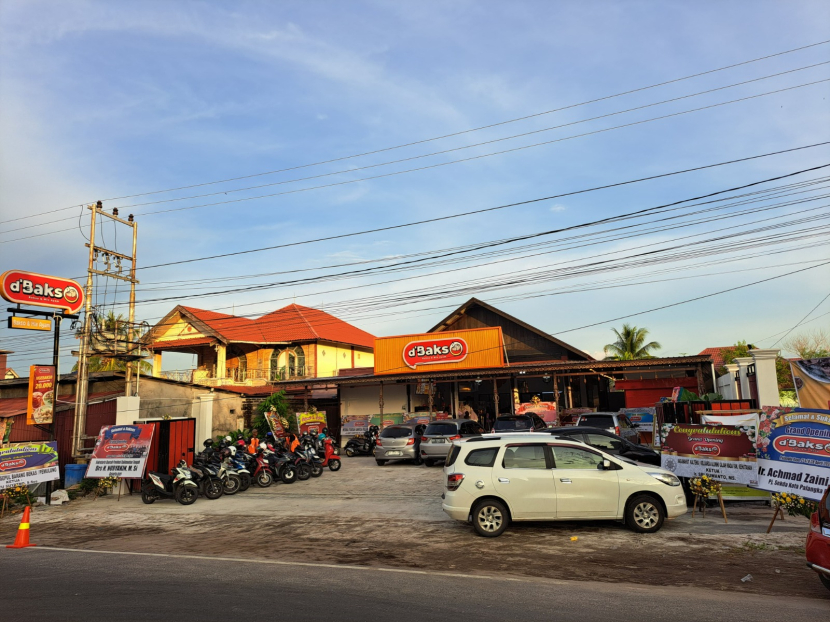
x,y
228,467
363,444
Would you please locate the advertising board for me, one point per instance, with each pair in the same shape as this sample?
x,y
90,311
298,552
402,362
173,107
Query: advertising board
x,y
812,382
546,410
121,451
456,349
22,464
40,408
41,290
724,453
311,423
642,418
275,423
794,451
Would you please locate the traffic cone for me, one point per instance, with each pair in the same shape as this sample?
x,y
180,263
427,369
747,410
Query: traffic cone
x,y
22,539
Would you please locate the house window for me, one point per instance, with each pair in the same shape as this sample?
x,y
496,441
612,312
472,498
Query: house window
x,y
296,362
275,366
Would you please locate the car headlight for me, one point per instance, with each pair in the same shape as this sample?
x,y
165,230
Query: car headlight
x,y
666,478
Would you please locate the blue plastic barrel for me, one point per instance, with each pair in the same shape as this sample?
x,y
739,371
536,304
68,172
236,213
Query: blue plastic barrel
x,y
73,474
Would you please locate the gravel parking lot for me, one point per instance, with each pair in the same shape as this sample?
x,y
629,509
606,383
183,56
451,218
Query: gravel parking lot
x,y
391,516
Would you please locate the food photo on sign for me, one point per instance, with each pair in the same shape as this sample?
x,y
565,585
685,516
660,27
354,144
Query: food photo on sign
x,y
794,451
121,451
41,405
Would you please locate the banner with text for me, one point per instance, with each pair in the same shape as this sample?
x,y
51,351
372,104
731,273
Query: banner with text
x,y
642,418
40,408
22,464
311,423
724,453
121,451
794,451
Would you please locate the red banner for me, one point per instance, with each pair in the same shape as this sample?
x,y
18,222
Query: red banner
x,y
41,406
432,351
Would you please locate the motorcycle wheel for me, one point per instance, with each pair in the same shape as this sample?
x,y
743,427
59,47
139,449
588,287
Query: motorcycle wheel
x,y
233,484
288,475
148,495
187,495
349,452
264,479
303,472
246,481
334,465
316,470
214,489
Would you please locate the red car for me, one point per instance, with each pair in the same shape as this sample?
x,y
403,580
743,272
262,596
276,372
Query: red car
x,y
818,542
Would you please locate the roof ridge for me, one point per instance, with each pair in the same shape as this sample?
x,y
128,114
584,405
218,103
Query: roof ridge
x,y
300,313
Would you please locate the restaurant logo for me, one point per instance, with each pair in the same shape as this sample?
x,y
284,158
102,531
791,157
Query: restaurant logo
x,y
432,351
12,464
40,290
706,449
791,443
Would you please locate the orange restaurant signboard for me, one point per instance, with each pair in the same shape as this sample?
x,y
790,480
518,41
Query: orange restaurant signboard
x,y
454,349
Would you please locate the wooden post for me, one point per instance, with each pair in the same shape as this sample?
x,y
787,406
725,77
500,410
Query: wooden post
x,y
305,399
495,400
774,516
380,403
722,508
701,387
430,399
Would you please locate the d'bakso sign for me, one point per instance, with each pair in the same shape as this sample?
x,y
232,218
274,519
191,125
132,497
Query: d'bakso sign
x,y
40,290
434,351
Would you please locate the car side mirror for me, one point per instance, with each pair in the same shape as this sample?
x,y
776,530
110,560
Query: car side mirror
x,y
605,465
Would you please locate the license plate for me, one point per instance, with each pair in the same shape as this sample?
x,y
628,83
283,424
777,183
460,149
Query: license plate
x,y
393,453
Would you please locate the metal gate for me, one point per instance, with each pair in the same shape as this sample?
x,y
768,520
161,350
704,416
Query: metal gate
x,y
173,440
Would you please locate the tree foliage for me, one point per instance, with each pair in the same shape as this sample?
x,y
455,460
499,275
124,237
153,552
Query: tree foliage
x,y
276,401
113,323
630,344
809,345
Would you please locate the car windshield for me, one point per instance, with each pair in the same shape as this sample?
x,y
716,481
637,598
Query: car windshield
x,y
513,423
396,432
597,421
441,429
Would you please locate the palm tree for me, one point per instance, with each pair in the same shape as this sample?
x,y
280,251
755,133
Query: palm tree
x,y
630,344
118,325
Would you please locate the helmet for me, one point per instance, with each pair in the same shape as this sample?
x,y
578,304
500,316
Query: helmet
x,y
262,446
228,438
241,442
269,434
326,431
232,450
208,443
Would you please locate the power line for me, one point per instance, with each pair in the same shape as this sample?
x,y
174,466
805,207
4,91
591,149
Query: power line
x,y
801,321
476,129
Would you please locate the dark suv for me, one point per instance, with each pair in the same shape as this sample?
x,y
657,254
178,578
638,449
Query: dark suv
x,y
609,443
439,435
529,422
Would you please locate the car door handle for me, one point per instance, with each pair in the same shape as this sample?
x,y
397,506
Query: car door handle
x,y
565,480
504,480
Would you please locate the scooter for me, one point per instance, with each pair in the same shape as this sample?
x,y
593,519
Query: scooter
x,y
263,474
239,464
363,445
208,480
177,485
331,455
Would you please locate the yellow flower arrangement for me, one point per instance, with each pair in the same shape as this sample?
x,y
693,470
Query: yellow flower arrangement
x,y
704,486
794,504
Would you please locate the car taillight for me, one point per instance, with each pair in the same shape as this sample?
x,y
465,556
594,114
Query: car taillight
x,y
410,441
424,439
455,438
815,524
378,443
617,430
454,481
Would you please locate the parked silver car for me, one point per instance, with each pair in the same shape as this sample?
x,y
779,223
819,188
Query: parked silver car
x,y
396,442
439,435
615,423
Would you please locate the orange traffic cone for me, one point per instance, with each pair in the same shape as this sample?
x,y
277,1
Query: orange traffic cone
x,y
22,539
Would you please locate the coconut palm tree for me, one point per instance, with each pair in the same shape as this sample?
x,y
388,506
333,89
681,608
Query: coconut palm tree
x,y
113,324
630,344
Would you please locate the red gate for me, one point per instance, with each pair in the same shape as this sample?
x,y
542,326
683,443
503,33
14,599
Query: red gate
x,y
173,440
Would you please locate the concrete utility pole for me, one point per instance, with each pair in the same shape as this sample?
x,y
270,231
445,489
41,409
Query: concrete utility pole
x,y
96,255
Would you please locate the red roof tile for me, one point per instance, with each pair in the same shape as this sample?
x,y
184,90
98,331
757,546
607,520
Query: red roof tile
x,y
716,354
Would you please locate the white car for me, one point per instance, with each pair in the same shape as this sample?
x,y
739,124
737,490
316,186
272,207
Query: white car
x,y
493,480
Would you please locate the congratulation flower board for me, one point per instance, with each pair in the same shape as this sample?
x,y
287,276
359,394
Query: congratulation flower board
x,y
121,451
794,451
28,463
723,453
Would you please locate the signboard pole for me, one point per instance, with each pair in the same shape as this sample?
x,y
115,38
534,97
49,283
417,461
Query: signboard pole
x,y
56,348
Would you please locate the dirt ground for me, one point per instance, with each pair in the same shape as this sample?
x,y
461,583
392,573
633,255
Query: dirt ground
x,y
391,516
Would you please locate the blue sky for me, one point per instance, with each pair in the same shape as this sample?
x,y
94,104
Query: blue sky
x,y
103,99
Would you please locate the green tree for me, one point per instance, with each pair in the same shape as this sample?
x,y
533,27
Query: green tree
x,y
630,344
115,324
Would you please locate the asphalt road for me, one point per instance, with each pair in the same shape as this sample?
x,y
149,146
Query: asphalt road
x,y
48,584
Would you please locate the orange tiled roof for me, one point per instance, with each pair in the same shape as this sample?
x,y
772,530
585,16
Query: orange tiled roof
x,y
716,354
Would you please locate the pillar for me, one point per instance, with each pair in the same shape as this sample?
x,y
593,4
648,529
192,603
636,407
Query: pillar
x,y
127,409
743,363
221,361
766,377
731,368
204,419
156,364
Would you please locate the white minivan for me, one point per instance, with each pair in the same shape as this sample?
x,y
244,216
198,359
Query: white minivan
x,y
493,480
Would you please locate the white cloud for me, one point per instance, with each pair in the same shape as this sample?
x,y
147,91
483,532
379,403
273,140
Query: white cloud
x,y
558,208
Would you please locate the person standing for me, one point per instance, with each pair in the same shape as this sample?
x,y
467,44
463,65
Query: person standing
x,y
417,434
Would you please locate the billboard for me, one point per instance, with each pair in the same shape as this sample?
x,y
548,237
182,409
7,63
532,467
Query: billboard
x,y
311,423
40,290
546,410
642,418
794,451
22,464
724,453
452,349
121,451
812,382
41,404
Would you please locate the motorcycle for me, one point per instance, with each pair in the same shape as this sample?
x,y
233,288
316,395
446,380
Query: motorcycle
x,y
290,466
240,464
207,478
263,473
331,455
178,485
308,450
363,445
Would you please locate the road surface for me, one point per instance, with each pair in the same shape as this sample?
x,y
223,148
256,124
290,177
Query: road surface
x,y
42,584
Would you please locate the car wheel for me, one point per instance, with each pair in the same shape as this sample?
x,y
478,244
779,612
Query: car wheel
x,y
644,514
429,462
825,580
490,518
380,462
